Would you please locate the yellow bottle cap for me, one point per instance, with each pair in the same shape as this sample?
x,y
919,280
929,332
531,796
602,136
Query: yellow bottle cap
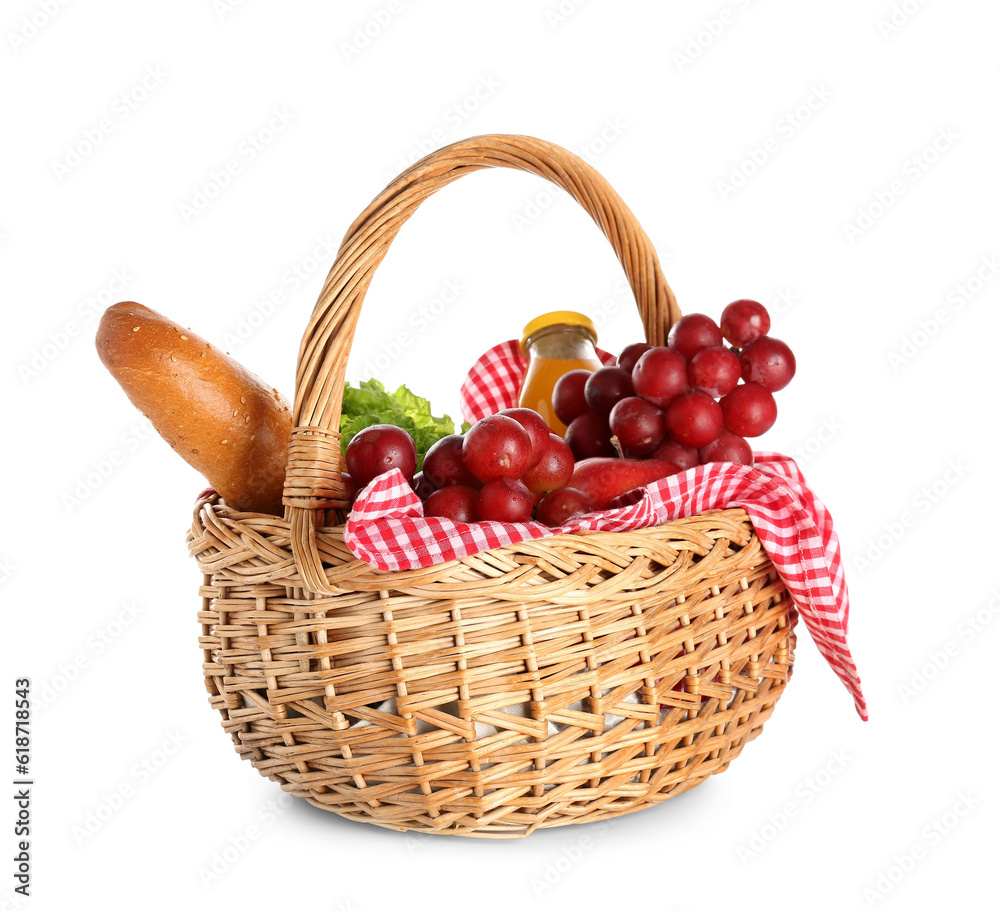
x,y
558,318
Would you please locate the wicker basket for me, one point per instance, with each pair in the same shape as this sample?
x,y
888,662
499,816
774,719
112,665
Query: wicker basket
x,y
563,680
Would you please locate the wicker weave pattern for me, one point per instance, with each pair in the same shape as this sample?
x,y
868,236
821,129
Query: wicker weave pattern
x,y
681,632
563,680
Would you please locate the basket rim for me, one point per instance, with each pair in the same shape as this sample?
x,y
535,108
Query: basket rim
x,y
212,510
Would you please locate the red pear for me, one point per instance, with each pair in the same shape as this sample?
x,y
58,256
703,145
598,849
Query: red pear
x,y
606,479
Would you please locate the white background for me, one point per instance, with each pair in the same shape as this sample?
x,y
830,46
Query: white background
x,y
866,221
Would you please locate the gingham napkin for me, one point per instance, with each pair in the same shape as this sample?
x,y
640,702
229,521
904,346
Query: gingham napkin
x,y
387,528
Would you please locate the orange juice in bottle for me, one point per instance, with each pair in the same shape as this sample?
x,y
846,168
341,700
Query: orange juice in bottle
x,y
555,343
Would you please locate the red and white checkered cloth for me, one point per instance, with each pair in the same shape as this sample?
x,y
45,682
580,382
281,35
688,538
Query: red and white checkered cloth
x,y
387,527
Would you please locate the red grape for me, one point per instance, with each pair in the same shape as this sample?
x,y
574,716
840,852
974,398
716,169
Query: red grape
x,y
568,400
553,469
589,435
682,456
503,500
631,353
351,489
534,424
660,375
768,362
456,502
693,332
727,448
743,321
559,506
377,449
694,419
638,425
715,371
496,447
422,486
443,464
749,410
606,387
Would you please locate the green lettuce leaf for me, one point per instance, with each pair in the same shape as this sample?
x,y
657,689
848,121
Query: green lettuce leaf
x,y
370,403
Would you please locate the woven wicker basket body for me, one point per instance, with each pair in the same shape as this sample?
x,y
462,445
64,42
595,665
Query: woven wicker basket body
x,y
567,679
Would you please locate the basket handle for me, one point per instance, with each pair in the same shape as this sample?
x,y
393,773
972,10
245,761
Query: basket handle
x,y
312,479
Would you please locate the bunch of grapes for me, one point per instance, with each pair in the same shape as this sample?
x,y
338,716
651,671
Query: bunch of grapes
x,y
694,400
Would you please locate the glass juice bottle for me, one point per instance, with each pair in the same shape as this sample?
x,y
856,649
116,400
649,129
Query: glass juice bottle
x,y
555,343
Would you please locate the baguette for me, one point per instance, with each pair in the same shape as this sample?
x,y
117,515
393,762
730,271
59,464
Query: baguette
x,y
220,418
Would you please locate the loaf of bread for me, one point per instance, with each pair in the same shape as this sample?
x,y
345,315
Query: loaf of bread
x,y
218,416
